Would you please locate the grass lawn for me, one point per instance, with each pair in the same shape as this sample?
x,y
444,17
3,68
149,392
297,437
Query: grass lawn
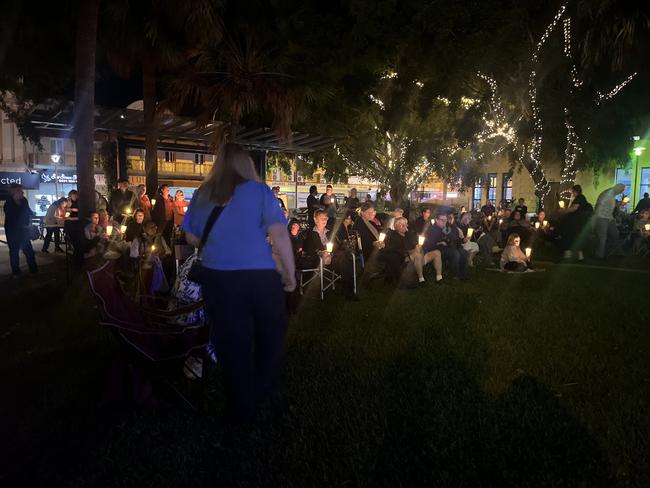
x,y
505,380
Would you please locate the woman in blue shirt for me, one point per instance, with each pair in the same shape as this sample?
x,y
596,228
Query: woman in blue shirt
x,y
242,287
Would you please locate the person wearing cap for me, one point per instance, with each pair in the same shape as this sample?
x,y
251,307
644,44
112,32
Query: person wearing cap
x,y
18,220
604,226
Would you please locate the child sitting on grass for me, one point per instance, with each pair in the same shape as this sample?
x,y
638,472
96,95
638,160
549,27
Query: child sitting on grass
x,y
513,258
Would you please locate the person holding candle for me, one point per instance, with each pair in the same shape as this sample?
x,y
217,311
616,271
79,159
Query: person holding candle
x,y
467,233
423,222
121,199
315,243
53,220
512,257
403,249
135,227
572,229
438,240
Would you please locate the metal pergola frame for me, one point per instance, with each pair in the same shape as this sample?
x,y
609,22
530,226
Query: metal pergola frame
x,y
174,133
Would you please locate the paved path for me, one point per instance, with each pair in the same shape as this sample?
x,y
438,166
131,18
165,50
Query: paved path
x,y
41,258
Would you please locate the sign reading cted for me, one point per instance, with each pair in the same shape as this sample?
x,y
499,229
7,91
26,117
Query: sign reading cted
x,y
28,180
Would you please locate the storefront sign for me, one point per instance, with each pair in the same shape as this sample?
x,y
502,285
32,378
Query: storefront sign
x,y
62,177
28,180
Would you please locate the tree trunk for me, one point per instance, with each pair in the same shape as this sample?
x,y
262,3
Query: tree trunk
x,y
150,124
84,102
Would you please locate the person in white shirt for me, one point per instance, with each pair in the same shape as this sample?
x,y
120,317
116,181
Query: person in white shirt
x,y
604,226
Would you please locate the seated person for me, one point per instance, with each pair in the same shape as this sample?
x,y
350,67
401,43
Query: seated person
x,y
519,225
439,238
513,258
345,253
397,213
423,222
315,247
296,237
135,227
149,249
105,221
368,230
315,243
468,245
95,236
402,247
641,236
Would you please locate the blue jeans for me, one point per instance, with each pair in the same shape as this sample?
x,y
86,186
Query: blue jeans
x,y
19,241
455,260
248,319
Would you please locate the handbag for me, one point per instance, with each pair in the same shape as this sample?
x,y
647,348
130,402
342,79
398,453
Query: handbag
x,y
34,233
196,273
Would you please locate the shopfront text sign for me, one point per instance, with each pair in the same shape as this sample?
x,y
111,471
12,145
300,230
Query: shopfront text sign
x,y
62,177
29,181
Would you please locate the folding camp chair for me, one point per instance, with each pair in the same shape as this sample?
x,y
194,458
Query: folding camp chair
x,y
148,330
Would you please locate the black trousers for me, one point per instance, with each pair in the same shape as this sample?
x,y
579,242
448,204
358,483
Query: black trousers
x,y
19,241
248,318
49,233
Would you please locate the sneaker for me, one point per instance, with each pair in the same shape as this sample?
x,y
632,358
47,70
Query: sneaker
x,y
581,257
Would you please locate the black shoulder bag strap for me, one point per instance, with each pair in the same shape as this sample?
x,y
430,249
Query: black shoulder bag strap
x,y
195,272
212,219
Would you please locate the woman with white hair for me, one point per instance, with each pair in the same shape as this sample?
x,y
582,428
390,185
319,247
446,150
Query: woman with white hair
x,y
229,219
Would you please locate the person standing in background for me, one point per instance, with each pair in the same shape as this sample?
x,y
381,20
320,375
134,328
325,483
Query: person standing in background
x,y
163,213
312,205
143,202
604,225
121,201
18,221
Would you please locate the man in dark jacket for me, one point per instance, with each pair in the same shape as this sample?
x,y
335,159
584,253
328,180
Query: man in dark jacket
x,y
18,220
438,239
122,199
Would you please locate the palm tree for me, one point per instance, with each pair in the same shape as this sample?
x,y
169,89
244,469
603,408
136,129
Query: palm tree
x,y
155,38
231,80
84,101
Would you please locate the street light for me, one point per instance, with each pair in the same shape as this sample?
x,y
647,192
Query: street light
x,y
637,153
55,158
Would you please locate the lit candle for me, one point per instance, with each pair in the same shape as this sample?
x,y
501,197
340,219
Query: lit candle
x,y
421,239
128,211
123,229
545,223
489,217
153,248
109,229
626,200
433,221
529,251
647,227
67,214
329,246
561,203
382,236
470,233
183,209
153,201
537,225
500,221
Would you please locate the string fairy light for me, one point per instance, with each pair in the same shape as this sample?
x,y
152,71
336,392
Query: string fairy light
x,y
601,97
